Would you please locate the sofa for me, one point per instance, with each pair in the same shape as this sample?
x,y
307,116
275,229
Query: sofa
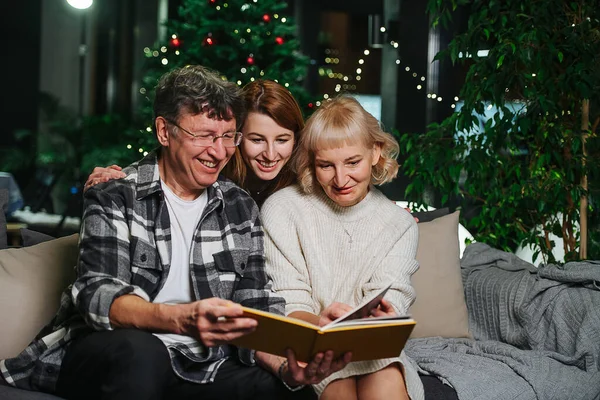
x,y
461,313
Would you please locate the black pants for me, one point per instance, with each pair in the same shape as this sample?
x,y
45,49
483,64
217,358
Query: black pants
x,y
131,364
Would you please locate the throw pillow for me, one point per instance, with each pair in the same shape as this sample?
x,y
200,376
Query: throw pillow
x,y
31,238
440,308
3,205
31,282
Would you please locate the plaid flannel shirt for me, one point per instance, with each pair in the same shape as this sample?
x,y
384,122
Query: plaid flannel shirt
x,y
125,248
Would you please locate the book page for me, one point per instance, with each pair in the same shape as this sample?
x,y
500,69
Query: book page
x,y
386,319
363,310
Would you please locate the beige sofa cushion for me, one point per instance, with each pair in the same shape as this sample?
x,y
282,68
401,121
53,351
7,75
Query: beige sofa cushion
x,y
440,308
31,282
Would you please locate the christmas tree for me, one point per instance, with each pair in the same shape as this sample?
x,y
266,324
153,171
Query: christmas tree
x,y
244,40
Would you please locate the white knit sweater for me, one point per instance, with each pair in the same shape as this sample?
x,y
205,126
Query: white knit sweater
x,y
319,253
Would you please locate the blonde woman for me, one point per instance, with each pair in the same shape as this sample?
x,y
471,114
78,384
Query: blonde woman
x,y
333,239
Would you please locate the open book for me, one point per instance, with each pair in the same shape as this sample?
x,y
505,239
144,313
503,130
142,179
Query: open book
x,y
368,338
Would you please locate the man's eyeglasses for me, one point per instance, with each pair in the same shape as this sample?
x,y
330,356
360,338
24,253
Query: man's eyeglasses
x,y
229,139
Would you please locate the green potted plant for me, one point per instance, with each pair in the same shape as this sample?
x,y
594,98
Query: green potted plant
x,y
531,169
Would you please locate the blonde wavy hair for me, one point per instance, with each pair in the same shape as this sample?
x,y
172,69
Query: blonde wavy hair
x,y
340,122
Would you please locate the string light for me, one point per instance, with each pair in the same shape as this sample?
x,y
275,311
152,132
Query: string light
x,y
361,62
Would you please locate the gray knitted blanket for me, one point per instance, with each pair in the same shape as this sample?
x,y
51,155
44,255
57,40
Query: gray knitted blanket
x,y
536,331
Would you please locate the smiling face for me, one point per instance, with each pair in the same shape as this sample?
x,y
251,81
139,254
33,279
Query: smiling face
x,y
188,169
344,173
266,147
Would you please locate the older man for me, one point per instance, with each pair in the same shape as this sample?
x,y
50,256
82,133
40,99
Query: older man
x,y
167,255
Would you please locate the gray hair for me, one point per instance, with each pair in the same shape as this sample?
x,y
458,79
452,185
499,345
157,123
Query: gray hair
x,y
197,89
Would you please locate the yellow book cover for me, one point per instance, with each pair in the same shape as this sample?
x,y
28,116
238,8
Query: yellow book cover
x,y
367,338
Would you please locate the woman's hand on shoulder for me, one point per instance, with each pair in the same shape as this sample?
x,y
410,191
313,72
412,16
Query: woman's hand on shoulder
x,y
410,212
103,174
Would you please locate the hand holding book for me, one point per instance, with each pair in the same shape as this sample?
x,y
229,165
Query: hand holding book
x,y
385,309
321,366
333,312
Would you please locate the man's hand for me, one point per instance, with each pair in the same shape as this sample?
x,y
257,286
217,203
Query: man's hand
x,y
384,309
101,174
215,321
333,312
319,368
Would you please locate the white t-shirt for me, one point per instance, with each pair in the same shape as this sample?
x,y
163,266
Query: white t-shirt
x,y
184,216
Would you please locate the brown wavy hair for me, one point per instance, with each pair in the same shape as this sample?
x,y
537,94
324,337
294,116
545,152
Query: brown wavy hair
x,y
339,122
275,101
